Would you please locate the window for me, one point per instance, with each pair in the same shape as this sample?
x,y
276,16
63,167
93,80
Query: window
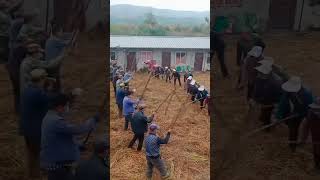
x,y
146,55
226,3
208,58
181,58
113,56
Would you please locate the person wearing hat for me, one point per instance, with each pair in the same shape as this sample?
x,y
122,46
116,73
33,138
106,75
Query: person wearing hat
x,y
128,108
201,95
295,101
34,106
167,72
193,90
30,30
248,71
121,93
34,60
218,47
313,125
267,92
175,77
59,150
97,167
208,102
139,124
153,155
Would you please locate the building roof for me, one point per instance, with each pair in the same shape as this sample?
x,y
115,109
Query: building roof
x,y
159,42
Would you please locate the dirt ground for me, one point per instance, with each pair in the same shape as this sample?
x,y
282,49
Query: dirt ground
x,y
263,156
188,151
86,70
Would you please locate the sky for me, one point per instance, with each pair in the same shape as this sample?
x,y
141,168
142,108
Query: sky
x,y
184,5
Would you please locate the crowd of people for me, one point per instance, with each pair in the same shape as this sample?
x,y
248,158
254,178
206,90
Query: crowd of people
x,y
279,96
34,60
132,110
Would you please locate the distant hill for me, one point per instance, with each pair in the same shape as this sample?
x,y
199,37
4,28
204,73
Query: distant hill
x,y
130,14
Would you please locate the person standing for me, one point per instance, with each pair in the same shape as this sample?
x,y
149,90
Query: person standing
x,y
201,95
167,72
128,108
139,126
121,93
218,47
58,147
313,122
175,77
34,106
54,47
294,103
153,155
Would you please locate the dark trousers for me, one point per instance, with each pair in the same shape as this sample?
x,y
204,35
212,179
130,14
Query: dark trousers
x,y
33,158
221,58
250,91
120,106
315,133
168,78
115,89
140,138
265,116
127,119
60,174
201,102
175,79
15,81
293,125
158,163
193,97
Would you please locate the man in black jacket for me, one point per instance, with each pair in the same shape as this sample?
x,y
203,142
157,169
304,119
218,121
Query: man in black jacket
x,y
176,76
139,124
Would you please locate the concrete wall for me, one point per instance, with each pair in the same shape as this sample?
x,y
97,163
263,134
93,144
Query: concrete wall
x,y
310,16
157,55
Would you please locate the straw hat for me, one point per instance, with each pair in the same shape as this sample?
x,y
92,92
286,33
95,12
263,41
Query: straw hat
x,y
264,68
201,88
315,104
193,82
190,78
37,74
256,51
292,85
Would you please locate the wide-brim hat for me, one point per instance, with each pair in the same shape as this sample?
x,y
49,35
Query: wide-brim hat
x,y
256,51
193,82
315,104
264,68
174,70
201,88
190,78
294,84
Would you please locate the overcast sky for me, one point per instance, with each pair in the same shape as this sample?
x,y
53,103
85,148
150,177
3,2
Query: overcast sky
x,y
185,5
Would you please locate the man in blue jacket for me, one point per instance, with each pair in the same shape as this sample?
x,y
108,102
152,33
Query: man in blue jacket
x,y
153,156
121,93
34,106
139,124
128,108
58,147
294,102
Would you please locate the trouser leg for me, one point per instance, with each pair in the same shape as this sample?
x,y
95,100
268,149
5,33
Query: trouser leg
x,y
221,58
149,168
140,138
265,116
135,137
159,164
293,132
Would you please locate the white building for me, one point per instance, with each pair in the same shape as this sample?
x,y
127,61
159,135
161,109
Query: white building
x,y
132,51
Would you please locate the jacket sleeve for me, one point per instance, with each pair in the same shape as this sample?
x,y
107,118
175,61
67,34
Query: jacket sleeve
x,y
165,140
53,63
68,128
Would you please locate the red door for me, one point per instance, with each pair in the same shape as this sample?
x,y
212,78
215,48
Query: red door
x,y
198,62
166,59
131,61
282,13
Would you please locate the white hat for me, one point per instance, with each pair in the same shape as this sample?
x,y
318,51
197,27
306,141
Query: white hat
x,y
256,51
267,61
264,68
201,88
174,70
193,82
316,104
166,67
292,85
190,78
